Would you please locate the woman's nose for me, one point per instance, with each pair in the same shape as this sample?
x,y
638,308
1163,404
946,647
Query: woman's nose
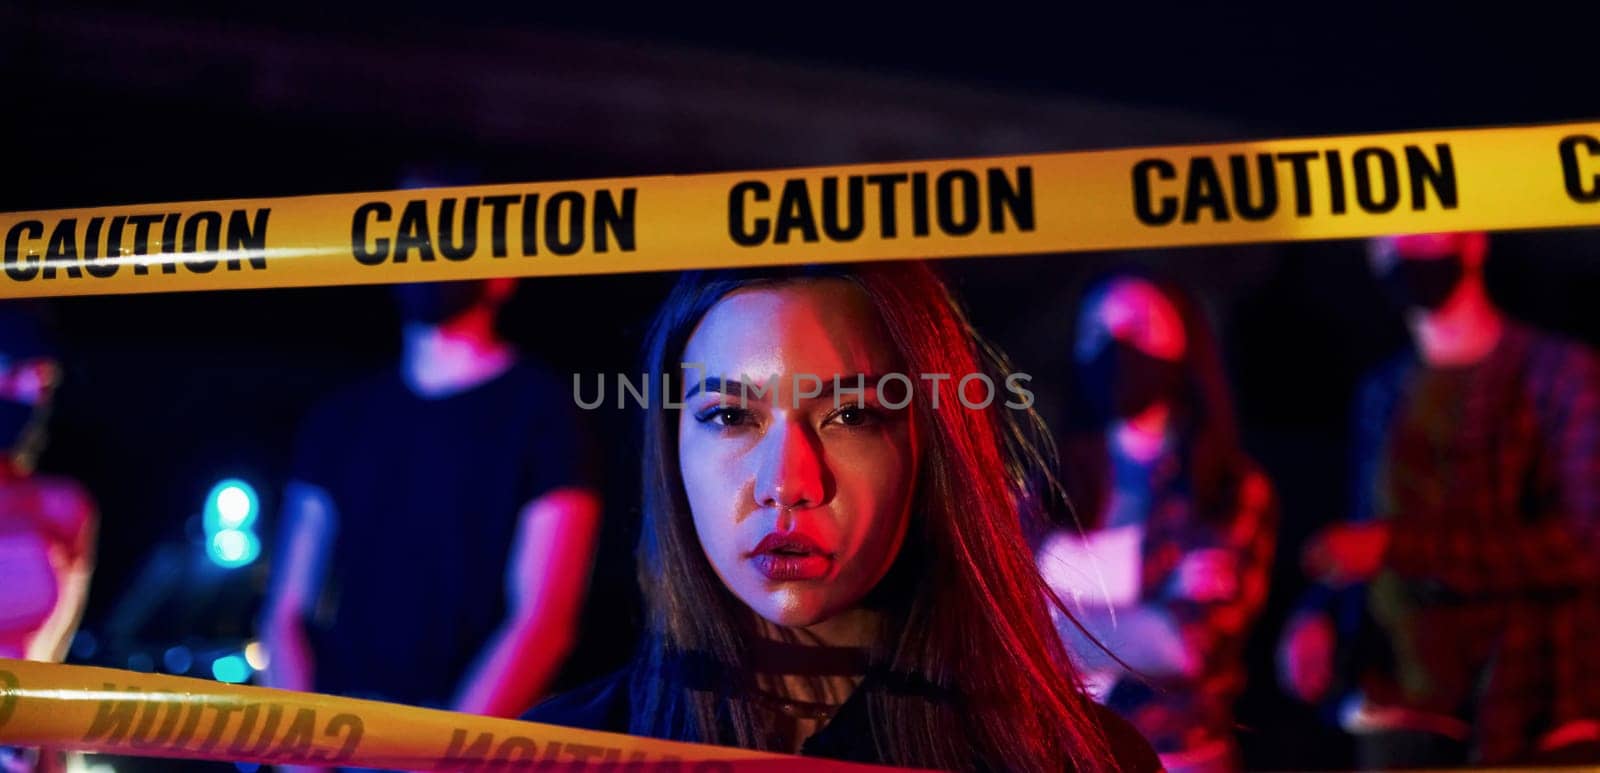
x,y
791,473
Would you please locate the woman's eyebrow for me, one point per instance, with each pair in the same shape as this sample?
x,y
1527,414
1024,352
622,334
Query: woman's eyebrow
x,y
714,384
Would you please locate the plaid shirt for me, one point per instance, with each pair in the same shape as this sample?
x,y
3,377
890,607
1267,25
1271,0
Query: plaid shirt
x,y
1489,476
1178,713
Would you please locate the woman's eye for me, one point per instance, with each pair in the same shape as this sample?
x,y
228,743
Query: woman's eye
x,y
854,415
723,416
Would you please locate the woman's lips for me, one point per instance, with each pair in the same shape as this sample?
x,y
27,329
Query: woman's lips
x,y
790,557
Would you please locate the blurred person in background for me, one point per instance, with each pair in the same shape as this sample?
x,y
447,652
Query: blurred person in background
x,y
440,523
47,522
1472,557
1172,569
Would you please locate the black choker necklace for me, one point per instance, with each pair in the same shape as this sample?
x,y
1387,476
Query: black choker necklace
x,y
777,657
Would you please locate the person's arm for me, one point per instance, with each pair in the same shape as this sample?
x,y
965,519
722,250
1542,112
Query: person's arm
x,y
1214,596
309,525
75,519
1552,552
546,579
1217,592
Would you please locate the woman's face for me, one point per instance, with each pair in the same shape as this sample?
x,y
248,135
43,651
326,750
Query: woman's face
x,y
1135,312
800,496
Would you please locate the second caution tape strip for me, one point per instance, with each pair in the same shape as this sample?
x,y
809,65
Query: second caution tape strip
x,y
110,711
1298,189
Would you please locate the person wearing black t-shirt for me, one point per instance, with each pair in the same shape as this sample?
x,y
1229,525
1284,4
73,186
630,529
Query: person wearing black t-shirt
x,y
440,525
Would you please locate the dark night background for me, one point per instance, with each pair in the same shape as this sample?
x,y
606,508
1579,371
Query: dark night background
x,y
108,103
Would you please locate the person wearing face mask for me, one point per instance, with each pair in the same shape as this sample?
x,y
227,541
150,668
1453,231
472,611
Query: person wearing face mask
x,y
1178,525
47,522
440,523
1473,552
842,573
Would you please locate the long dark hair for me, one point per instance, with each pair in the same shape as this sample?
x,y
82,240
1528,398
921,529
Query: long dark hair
x,y
1211,454
966,619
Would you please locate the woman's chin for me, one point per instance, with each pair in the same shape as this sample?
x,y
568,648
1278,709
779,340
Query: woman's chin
x,y
791,608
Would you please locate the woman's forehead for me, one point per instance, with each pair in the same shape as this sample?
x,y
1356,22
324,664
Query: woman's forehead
x,y
821,326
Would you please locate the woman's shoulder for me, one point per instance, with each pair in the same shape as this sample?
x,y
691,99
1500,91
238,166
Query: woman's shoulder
x,y
599,705
1130,751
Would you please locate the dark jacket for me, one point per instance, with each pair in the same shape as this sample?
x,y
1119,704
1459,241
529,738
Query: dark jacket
x,y
605,705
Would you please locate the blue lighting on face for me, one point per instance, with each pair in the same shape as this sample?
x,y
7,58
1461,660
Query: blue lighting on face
x,y
230,513
231,669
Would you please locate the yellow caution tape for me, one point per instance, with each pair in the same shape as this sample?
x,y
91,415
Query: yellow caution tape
x,y
1296,189
150,715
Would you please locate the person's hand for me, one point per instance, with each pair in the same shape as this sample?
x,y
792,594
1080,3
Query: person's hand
x,y
1345,554
1207,575
1305,656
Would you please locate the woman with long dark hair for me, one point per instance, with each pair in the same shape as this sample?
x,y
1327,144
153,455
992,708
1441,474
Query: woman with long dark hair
x,y
832,554
1178,524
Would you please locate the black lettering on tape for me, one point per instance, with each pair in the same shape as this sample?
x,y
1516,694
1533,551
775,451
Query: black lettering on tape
x,y
296,742
1204,191
141,240
854,208
794,212
145,735
248,237
945,197
1017,200
99,266
1266,180
919,204
572,203
1578,189
169,244
1388,173
212,221
1143,206
1299,171
1335,182
63,249
219,725
886,201
448,246
413,232
1426,174
112,718
191,723
22,266
498,205
614,221
366,213
515,749
530,225
745,232
350,727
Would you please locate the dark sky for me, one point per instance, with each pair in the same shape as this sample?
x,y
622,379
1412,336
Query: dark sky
x,y
1298,67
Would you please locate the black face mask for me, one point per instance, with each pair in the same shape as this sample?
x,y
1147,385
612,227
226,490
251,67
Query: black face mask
x,y
1424,284
1122,381
433,303
14,420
